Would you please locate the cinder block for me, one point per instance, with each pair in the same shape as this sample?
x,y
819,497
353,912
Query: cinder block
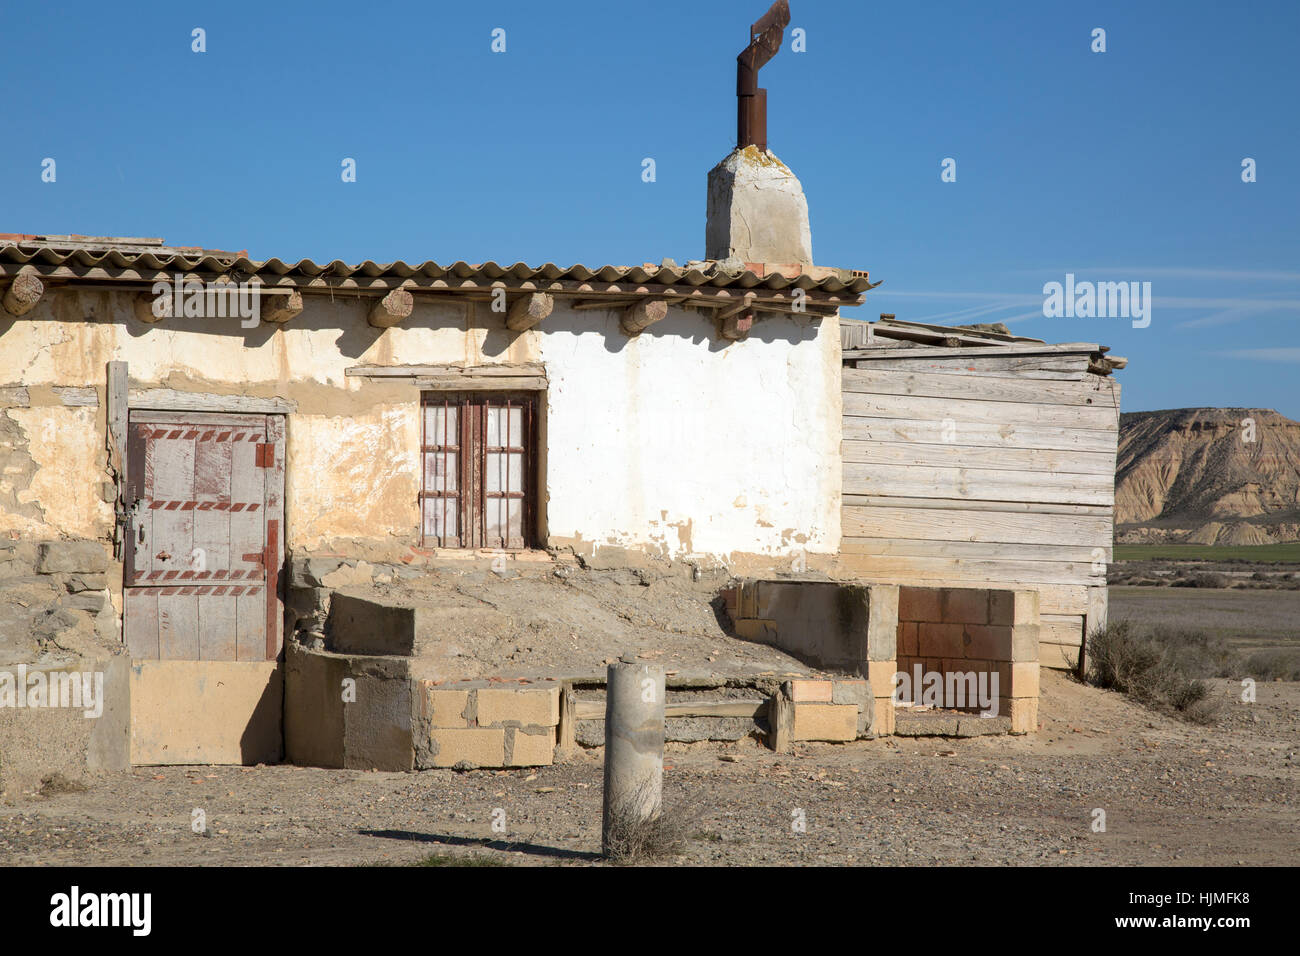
x,y
834,722
940,640
882,622
1024,642
1023,713
882,723
757,630
445,708
966,605
531,750
817,691
1023,680
854,692
919,604
881,674
499,706
480,746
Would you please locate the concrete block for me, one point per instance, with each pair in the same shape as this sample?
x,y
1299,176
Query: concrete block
x,y
205,712
833,722
881,675
1023,713
965,605
882,722
815,691
757,630
1023,679
882,622
851,692
524,705
480,747
313,706
780,721
919,604
1024,642
529,749
444,708
71,557
377,726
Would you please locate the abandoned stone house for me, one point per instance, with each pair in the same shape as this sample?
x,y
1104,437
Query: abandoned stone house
x,y
197,483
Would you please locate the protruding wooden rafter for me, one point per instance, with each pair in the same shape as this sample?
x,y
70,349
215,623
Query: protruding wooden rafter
x,y
24,292
737,319
391,309
279,305
641,315
529,309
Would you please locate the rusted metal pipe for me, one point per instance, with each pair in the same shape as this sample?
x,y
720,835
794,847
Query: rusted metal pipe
x,y
764,43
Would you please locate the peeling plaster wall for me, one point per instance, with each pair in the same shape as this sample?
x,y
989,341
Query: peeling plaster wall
x,y
673,441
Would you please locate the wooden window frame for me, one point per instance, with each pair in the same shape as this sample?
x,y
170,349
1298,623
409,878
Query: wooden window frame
x,y
470,445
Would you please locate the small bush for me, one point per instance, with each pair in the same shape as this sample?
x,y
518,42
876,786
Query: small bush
x,y
1273,665
1164,668
632,840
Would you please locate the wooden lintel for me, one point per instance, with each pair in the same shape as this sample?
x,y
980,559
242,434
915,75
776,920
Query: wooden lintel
x,y
168,399
641,315
528,310
444,371
24,292
280,305
391,309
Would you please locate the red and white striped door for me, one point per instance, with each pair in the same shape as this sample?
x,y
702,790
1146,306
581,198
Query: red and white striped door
x,y
204,545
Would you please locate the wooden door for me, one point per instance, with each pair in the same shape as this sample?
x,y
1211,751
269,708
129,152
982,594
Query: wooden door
x,y
204,548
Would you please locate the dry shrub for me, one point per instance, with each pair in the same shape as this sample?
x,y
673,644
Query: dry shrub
x,y
1163,667
632,840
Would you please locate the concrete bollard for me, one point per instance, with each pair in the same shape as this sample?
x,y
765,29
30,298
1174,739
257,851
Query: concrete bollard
x,y
634,746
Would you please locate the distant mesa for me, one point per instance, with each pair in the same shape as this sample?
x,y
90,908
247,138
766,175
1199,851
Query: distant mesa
x,y
1226,476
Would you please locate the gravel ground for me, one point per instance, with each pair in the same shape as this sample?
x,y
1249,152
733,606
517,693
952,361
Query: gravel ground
x,y
1172,793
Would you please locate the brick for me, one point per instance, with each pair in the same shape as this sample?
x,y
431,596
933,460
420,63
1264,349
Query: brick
x,y
531,750
811,691
503,706
480,746
881,674
882,724
446,708
1023,713
757,630
990,642
1023,680
836,722
919,604
940,640
907,642
966,605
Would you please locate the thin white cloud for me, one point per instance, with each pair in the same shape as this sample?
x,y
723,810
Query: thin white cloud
x,y
1169,272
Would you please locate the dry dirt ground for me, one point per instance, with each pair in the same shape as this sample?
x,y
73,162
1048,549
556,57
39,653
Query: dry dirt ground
x,y
1172,793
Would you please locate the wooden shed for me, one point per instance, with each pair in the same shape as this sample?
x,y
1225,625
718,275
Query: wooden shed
x,y
971,455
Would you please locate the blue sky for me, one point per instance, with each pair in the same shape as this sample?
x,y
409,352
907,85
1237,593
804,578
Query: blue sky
x,y
1115,166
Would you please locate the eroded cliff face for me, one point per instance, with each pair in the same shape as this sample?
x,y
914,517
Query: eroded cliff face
x,y
1208,475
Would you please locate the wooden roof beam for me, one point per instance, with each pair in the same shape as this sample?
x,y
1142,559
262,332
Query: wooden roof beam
x,y
24,292
528,310
393,308
641,315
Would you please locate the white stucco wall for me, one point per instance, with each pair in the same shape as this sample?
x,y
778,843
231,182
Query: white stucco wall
x,y
679,442
674,441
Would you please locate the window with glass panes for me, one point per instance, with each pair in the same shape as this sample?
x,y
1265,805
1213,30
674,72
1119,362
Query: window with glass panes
x,y
478,469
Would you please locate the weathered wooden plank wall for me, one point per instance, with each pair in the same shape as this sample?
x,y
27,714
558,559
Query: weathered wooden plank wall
x,y
977,470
